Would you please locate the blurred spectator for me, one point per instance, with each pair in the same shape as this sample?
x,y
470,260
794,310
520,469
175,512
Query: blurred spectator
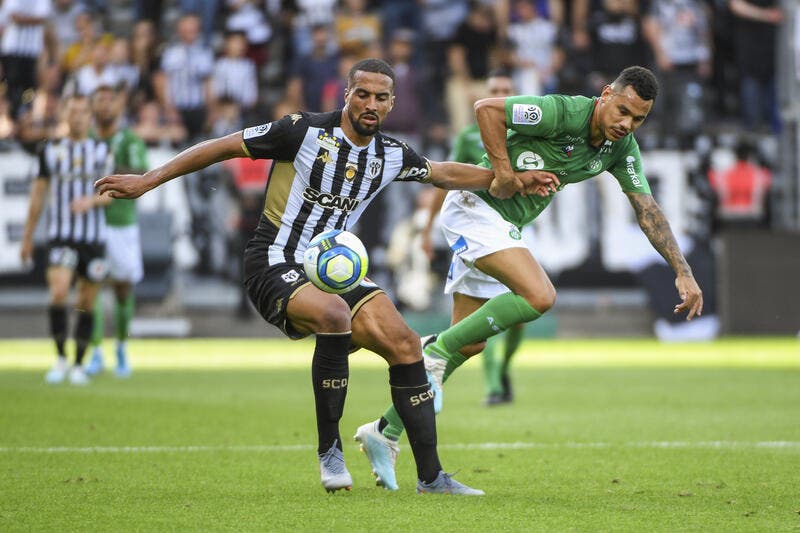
x,y
469,57
182,83
333,90
406,118
742,190
309,14
154,128
144,55
7,126
396,14
79,53
40,118
572,18
22,23
126,72
248,19
234,75
96,73
536,56
227,117
440,20
616,40
63,22
756,24
679,33
358,32
149,10
206,11
311,72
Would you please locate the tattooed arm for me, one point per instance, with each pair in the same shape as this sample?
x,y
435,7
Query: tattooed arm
x,y
655,226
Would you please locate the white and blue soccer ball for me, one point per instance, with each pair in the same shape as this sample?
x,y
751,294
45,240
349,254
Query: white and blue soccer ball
x,y
335,261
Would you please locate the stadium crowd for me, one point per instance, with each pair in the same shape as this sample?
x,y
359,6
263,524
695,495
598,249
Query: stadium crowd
x,y
194,69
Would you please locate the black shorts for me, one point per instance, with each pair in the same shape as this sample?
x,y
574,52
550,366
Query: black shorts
x,y
87,260
270,287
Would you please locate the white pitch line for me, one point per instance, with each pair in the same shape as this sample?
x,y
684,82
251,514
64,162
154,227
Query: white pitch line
x,y
717,444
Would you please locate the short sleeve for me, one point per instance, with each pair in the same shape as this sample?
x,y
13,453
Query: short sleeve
x,y
415,167
628,170
279,140
535,116
459,151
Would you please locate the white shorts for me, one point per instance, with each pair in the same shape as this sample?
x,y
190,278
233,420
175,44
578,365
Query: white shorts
x,y
474,230
124,254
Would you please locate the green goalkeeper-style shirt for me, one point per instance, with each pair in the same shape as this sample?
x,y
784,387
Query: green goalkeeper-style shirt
x,y
130,156
468,146
552,133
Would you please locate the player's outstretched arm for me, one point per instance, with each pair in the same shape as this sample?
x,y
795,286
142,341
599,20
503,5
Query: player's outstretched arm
x,y
656,227
490,114
190,160
466,177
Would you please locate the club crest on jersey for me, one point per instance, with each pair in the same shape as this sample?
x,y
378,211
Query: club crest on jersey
x,y
350,170
374,167
595,165
529,161
328,142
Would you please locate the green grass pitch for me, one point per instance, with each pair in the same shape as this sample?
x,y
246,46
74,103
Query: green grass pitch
x,y
218,435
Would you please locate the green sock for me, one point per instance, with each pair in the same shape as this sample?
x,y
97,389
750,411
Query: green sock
x,y
496,315
394,427
123,313
492,368
97,328
514,338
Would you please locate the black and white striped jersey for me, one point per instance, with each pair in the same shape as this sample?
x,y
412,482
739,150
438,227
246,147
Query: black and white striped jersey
x,y
23,40
71,168
319,180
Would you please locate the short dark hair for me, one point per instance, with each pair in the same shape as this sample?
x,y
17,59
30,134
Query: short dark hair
x,y
642,80
371,64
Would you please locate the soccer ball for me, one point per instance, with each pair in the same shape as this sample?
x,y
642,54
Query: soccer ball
x,y
335,261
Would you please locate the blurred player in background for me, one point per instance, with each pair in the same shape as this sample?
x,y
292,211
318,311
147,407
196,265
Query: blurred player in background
x,y
123,245
569,139
328,167
468,148
76,231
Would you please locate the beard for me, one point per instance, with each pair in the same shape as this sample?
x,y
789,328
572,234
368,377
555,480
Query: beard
x,y
360,128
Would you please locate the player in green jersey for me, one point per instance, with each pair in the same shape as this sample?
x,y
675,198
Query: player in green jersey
x,y
468,148
572,138
123,249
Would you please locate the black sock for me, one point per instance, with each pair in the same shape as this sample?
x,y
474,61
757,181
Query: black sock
x,y
413,399
329,374
83,334
58,327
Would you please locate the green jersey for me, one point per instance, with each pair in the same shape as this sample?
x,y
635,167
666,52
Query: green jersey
x,y
130,156
552,133
468,146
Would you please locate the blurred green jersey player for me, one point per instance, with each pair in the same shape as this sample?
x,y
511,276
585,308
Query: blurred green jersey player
x,y
123,249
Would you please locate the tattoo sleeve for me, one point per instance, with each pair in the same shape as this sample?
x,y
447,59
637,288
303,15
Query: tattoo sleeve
x,y
654,224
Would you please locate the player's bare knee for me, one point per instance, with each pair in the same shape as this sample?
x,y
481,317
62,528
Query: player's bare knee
x,y
333,317
542,301
404,348
58,295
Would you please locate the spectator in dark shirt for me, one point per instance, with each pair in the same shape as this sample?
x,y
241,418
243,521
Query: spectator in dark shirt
x,y
311,72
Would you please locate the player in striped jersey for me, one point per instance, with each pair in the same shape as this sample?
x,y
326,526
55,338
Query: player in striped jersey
x,y
327,168
76,231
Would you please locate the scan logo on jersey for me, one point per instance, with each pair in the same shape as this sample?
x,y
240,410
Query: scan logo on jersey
x,y
526,114
327,200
